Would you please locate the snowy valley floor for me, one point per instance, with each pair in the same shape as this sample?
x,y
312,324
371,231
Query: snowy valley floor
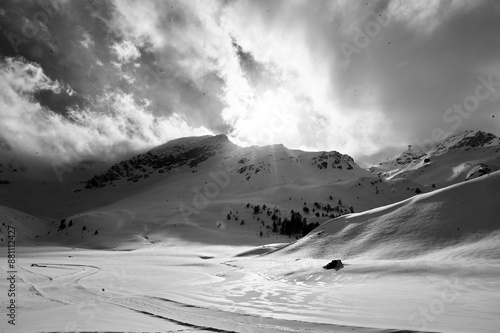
x,y
202,288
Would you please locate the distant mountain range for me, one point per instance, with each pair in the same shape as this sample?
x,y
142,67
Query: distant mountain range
x,y
462,156
466,139
210,183
193,152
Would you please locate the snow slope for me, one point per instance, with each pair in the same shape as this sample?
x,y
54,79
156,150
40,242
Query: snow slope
x,y
27,227
393,165
191,184
415,263
199,289
460,222
187,163
465,155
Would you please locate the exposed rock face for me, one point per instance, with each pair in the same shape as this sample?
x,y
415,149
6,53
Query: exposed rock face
x,y
468,138
186,152
407,157
480,139
333,160
466,154
478,170
250,162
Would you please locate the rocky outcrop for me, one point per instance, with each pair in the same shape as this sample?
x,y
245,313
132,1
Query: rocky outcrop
x,y
464,139
163,159
334,264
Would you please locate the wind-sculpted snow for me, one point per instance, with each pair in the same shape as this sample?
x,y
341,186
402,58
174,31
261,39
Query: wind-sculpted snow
x,y
458,222
73,285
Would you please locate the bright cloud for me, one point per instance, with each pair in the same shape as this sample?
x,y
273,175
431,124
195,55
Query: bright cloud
x,y
357,77
114,124
126,51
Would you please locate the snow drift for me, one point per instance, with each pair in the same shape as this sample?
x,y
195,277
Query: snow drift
x,y
458,222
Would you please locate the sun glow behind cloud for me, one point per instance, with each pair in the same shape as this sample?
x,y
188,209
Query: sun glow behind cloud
x,y
296,101
262,72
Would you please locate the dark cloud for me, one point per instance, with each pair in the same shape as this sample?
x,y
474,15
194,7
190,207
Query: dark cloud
x,y
252,69
51,36
75,47
407,62
415,74
363,77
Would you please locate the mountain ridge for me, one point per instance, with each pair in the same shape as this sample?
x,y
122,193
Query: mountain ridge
x,y
464,139
189,152
165,158
465,155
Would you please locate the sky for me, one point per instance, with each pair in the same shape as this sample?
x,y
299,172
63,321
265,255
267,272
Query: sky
x,y
102,80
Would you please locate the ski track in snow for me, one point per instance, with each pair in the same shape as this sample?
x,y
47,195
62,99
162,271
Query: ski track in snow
x,y
67,289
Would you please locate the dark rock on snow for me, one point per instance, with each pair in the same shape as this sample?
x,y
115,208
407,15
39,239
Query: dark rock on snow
x,y
334,264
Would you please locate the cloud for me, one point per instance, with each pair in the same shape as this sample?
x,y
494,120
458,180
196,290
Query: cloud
x,y
410,62
426,16
191,52
292,44
87,41
362,78
126,51
112,125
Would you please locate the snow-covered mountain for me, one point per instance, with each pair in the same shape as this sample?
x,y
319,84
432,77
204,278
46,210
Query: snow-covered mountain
x,y
167,158
394,164
266,172
28,227
208,215
462,156
195,153
209,183
466,139
196,182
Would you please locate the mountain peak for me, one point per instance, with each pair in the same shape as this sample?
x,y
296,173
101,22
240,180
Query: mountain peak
x,y
406,157
171,156
191,142
466,138
222,137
